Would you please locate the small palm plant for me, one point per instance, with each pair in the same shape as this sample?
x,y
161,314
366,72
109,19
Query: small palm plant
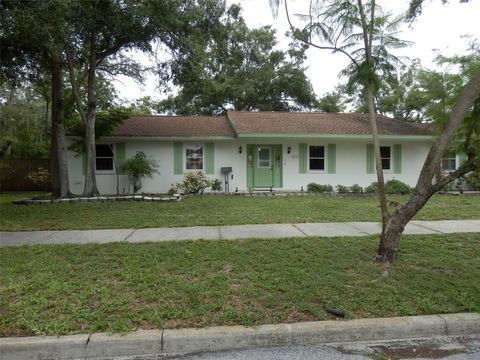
x,y
138,168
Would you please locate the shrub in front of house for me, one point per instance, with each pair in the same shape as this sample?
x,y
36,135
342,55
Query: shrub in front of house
x,y
173,189
216,185
372,188
474,180
40,177
195,182
319,188
356,189
342,189
392,187
397,187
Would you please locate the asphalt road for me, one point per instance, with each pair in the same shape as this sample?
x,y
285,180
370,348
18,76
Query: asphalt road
x,y
452,348
444,348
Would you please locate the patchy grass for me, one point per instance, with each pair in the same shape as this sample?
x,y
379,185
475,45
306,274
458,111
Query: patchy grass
x,y
117,287
218,210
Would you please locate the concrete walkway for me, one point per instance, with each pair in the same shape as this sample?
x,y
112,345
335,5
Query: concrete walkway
x,y
230,232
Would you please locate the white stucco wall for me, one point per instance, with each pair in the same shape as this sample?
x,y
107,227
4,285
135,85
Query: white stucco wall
x,y
350,164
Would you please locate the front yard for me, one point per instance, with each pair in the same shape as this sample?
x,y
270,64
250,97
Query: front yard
x,y
118,287
218,210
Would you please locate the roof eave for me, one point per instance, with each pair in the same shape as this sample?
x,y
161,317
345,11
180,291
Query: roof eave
x,y
166,138
333,136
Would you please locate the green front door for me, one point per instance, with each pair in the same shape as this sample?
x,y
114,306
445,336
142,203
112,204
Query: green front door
x,y
263,172
264,166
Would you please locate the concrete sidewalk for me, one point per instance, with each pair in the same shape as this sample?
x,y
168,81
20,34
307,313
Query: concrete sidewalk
x,y
230,232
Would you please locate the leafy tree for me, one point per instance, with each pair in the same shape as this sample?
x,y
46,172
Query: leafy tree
x,y
240,69
138,168
331,102
398,95
101,30
31,34
356,21
141,106
22,125
418,94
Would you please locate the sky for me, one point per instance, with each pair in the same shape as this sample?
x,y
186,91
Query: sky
x,y
441,27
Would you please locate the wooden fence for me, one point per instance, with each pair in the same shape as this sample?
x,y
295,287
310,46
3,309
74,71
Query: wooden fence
x,y
13,174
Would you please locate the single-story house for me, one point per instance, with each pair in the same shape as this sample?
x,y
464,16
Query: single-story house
x,y
278,150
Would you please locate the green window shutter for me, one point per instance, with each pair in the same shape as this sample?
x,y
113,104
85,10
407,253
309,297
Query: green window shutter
x,y
84,163
209,158
332,166
397,158
250,161
370,159
302,158
277,166
120,156
177,158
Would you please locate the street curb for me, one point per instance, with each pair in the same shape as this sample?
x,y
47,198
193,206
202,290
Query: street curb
x,y
180,341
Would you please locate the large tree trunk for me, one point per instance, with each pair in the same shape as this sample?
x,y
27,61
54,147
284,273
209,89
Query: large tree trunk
x,y
393,230
45,134
59,165
90,188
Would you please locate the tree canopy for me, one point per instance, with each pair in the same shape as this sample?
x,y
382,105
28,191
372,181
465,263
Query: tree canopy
x,y
23,122
241,69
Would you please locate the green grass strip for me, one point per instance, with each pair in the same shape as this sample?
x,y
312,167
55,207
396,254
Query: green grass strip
x,y
117,287
218,210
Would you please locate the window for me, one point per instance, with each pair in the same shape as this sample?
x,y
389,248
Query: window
x,y
317,158
263,157
194,157
385,155
449,164
104,159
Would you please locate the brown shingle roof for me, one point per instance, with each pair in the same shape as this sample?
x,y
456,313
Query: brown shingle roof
x,y
174,126
243,123
320,123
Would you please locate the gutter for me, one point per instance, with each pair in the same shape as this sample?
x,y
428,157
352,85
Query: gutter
x,y
168,342
257,135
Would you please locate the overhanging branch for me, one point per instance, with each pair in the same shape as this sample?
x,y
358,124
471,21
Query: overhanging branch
x,y
332,48
445,180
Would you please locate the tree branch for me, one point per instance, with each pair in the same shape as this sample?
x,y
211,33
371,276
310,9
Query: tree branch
x,y
445,180
462,106
75,90
332,48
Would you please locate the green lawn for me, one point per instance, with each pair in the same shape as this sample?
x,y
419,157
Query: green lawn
x,y
218,210
117,287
